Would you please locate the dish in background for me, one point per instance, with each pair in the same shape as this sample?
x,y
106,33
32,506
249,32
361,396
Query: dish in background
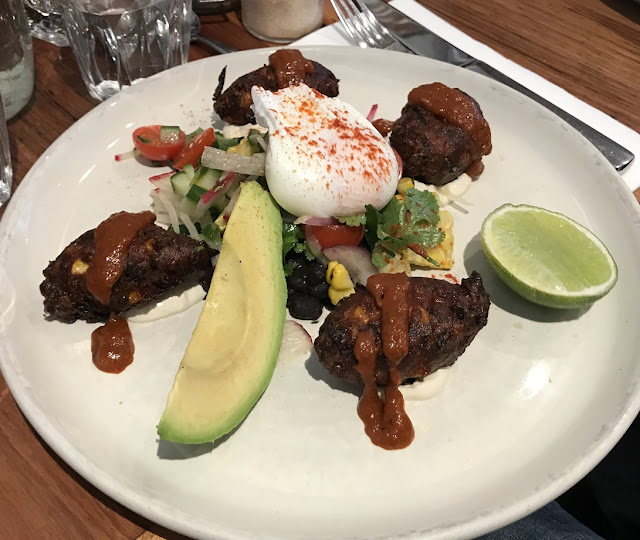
x,y
536,401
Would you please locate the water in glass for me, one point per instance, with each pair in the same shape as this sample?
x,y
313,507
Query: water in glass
x,y
118,42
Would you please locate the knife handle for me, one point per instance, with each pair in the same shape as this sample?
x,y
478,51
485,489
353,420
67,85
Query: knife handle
x,y
617,155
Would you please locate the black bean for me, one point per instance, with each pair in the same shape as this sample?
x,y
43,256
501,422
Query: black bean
x,y
297,283
320,291
316,273
303,307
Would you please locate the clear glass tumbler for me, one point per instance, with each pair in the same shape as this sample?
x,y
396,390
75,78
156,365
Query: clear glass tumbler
x,y
45,18
16,57
118,42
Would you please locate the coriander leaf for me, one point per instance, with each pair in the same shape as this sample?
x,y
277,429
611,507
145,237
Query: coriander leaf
x,y
293,239
354,221
393,217
290,236
372,220
424,236
422,205
378,258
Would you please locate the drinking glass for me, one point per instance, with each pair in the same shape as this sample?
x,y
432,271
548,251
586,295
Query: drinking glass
x,y
6,174
16,57
118,42
45,18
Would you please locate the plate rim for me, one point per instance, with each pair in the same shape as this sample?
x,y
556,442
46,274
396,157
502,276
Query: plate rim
x,y
155,509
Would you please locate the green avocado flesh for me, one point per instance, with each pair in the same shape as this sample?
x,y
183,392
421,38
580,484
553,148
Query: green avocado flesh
x,y
234,347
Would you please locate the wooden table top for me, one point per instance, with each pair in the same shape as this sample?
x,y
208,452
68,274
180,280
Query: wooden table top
x,y
591,48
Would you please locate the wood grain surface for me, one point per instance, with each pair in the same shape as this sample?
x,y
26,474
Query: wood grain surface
x,y
591,48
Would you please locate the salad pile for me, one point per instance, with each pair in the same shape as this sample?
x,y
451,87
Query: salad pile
x,y
197,196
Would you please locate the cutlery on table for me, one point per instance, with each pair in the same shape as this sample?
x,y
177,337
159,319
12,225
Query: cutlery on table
x,y
374,23
213,44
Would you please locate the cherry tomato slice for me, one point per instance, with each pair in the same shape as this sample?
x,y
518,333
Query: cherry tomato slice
x,y
335,235
399,160
192,151
150,144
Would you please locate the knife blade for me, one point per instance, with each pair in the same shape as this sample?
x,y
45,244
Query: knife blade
x,y
424,42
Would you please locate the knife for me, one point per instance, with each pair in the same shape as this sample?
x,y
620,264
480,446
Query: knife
x,y
424,42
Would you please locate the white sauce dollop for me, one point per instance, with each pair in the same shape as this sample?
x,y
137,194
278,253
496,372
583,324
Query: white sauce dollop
x,y
169,304
427,388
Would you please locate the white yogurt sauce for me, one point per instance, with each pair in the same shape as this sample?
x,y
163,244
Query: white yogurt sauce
x,y
169,304
427,388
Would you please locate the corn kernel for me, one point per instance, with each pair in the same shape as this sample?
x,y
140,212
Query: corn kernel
x,y
79,267
404,184
340,284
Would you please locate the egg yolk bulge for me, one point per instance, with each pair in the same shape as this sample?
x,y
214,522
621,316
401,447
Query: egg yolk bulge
x,y
324,158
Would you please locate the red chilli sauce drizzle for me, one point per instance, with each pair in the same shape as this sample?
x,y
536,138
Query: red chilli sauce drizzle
x,y
383,126
385,420
290,67
457,108
112,344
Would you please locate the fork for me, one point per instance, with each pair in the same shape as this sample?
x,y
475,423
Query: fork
x,y
363,28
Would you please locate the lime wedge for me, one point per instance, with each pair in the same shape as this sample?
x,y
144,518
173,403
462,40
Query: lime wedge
x,y
547,257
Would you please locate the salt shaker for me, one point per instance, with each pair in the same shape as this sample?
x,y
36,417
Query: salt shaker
x,y
281,21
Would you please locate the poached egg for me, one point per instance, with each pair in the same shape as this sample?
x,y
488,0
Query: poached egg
x,y
324,158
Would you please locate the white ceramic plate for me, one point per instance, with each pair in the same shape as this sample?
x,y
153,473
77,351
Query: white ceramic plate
x,y
536,401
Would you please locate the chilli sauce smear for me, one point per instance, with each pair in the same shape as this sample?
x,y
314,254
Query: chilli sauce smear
x,y
112,344
385,420
457,108
112,240
290,67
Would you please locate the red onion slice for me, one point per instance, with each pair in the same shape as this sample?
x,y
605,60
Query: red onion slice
x,y
296,342
356,260
372,113
321,221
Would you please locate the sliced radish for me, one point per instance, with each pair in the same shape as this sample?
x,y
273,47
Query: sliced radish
x,y
372,113
356,260
296,342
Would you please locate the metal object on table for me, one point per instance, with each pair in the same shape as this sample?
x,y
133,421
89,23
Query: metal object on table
x,y
374,23
6,173
213,44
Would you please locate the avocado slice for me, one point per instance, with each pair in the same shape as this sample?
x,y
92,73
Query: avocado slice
x,y
233,350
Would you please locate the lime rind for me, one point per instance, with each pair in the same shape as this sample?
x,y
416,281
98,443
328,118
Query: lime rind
x,y
547,257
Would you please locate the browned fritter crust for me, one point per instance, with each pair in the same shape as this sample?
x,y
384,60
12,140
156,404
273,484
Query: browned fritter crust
x,y
157,261
444,319
234,104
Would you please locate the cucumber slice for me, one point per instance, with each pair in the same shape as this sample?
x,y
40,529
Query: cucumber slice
x,y
194,134
180,182
206,178
195,193
190,171
169,134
